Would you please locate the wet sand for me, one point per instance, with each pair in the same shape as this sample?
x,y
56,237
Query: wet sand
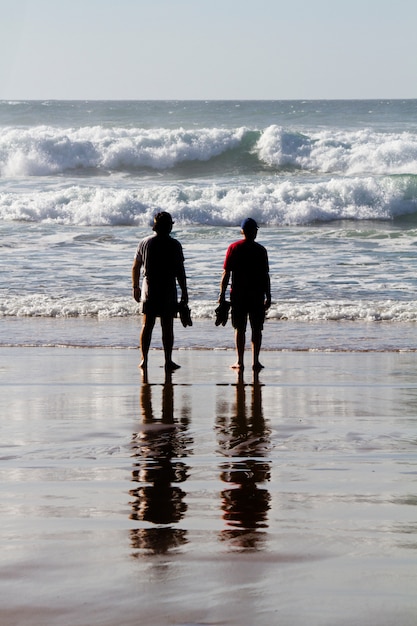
x,y
206,498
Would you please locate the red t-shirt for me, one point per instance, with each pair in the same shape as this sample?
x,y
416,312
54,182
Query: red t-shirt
x,y
248,263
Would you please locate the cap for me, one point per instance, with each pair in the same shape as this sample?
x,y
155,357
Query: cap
x,y
249,224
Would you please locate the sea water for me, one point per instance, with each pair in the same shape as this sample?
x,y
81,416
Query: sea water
x,y
332,184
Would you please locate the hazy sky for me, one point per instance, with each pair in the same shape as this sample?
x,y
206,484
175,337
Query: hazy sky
x,y
207,49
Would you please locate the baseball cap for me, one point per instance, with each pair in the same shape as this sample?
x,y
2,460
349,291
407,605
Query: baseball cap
x,y
249,224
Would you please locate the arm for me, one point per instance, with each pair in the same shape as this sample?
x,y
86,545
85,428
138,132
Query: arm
x,y
223,285
137,264
267,284
267,292
182,281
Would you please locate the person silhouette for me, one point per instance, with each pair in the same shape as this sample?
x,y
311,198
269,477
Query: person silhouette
x,y
246,263
162,260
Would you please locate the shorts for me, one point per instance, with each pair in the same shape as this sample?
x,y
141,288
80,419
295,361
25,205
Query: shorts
x,y
241,312
155,309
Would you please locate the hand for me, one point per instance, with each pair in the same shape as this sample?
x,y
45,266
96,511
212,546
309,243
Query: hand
x,y
136,293
267,303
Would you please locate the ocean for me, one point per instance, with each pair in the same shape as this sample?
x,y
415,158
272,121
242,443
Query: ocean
x,y
333,185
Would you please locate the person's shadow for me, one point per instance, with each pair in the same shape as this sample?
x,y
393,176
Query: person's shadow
x,y
244,438
156,498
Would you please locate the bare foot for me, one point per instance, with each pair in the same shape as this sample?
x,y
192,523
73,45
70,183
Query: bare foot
x,y
257,367
143,364
237,366
170,366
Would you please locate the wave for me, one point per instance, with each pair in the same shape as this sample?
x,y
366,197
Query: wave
x,y
348,153
43,306
43,150
49,151
283,201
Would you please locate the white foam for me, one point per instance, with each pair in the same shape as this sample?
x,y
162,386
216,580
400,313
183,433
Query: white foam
x,y
281,202
48,306
44,150
346,152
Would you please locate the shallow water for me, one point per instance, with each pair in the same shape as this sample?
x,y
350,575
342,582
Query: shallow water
x,y
283,335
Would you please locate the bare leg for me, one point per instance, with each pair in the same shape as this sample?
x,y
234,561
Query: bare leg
x,y
145,338
240,338
167,325
256,348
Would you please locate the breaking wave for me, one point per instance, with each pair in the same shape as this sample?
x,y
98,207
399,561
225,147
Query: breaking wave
x,y
284,201
46,151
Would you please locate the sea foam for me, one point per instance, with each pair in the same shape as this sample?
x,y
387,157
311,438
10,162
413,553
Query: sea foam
x,y
282,201
48,306
45,150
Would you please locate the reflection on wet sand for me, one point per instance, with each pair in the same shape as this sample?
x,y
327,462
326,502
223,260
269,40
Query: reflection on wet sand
x,y
158,447
243,437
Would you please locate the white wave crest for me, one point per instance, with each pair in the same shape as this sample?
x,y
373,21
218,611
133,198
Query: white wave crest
x,y
44,150
77,306
347,152
281,202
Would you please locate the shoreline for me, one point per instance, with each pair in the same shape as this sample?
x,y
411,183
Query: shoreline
x,y
305,336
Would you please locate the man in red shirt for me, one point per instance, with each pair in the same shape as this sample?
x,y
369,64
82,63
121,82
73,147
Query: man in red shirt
x,y
246,263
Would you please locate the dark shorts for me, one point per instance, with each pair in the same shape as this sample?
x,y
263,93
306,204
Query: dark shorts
x,y
241,312
159,310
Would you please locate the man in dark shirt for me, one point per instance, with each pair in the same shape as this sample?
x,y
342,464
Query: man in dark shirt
x,y
162,260
250,294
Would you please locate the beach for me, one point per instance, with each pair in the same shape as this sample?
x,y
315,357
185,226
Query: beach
x,y
205,497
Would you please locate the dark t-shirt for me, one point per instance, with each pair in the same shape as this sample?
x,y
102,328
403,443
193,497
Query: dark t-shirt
x,y
248,263
162,259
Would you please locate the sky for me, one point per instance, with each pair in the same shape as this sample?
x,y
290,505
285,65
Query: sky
x,y
207,49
